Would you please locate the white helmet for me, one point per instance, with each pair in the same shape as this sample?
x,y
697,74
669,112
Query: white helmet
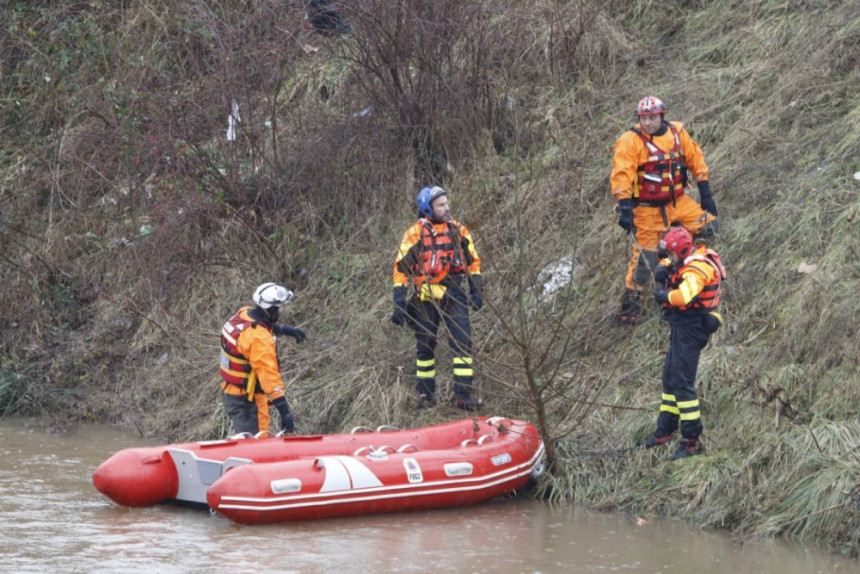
x,y
270,295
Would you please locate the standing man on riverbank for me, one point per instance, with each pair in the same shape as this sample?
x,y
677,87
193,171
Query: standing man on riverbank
x,y
688,288
649,182
249,362
437,257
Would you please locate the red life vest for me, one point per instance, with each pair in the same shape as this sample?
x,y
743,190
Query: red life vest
x,y
663,176
709,298
440,254
235,367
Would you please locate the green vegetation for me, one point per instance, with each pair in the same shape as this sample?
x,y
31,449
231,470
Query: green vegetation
x,y
131,227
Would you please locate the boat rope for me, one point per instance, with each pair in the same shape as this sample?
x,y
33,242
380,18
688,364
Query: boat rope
x,y
501,427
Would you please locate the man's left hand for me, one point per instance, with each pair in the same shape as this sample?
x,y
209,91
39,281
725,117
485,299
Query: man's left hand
x,y
661,296
293,332
476,285
706,198
477,300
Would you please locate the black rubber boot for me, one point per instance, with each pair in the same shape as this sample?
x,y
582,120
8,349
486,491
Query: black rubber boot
x,y
654,440
631,311
426,402
467,404
688,447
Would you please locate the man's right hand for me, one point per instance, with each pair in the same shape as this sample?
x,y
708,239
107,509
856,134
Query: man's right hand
x,y
625,214
287,424
661,275
399,298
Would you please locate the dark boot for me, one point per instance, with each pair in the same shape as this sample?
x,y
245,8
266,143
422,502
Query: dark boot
x,y
655,439
687,447
467,404
426,402
631,311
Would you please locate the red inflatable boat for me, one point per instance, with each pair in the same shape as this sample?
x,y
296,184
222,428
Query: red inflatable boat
x,y
304,477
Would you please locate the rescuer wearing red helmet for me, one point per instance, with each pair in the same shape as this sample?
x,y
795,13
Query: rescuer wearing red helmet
x,y
688,288
649,183
250,370
437,258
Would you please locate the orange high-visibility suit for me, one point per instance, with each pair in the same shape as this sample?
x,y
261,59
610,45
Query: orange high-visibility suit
x,y
632,163
255,360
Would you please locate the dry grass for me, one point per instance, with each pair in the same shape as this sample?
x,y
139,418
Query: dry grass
x,y
132,228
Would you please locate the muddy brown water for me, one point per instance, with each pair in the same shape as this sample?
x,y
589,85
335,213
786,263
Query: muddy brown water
x,y
52,519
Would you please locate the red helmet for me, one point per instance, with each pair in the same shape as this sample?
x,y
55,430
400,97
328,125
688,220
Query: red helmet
x,y
650,106
677,240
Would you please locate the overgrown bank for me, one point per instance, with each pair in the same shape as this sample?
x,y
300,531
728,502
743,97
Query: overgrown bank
x,y
132,226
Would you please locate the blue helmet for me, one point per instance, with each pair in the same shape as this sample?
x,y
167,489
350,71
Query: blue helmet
x,y
426,197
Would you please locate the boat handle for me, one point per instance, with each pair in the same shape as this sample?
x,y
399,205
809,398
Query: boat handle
x,y
468,441
406,446
361,429
361,450
385,446
485,438
381,428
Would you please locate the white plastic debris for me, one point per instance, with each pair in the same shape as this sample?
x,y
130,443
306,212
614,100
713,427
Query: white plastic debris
x,y
232,120
556,275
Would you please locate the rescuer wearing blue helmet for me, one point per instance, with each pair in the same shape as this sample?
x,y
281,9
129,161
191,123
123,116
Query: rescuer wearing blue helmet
x,y
436,261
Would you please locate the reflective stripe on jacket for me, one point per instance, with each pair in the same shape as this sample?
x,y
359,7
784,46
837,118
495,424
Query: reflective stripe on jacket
x,y
235,368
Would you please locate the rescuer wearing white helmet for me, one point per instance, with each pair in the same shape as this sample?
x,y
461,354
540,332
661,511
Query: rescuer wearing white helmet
x,y
250,372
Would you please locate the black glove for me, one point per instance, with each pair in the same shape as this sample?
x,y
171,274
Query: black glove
x,y
399,297
293,332
625,214
287,424
661,275
661,296
476,287
707,200
711,322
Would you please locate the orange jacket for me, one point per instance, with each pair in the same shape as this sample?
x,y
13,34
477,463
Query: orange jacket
x,y
630,153
410,263
697,282
257,346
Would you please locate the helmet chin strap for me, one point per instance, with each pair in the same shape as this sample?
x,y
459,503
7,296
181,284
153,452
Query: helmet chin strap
x,y
272,313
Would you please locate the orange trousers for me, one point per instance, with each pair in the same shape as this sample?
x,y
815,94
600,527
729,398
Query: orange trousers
x,y
649,224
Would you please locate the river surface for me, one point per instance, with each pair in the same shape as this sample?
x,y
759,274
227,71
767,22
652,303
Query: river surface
x,y
53,520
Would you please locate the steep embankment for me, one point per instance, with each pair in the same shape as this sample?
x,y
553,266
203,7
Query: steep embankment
x,y
132,225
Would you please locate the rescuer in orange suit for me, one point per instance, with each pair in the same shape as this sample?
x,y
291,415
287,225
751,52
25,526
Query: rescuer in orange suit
x,y
250,372
437,257
689,283
649,183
